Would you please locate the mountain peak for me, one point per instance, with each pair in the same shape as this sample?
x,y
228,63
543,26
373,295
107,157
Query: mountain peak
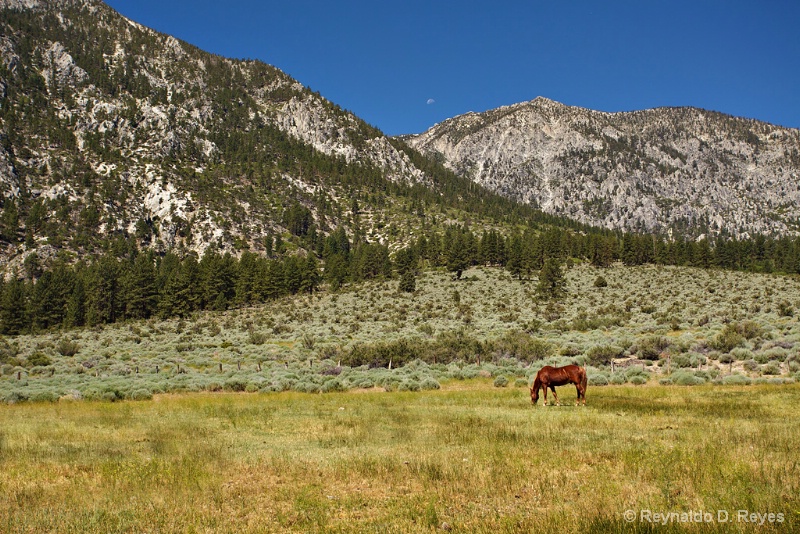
x,y
666,169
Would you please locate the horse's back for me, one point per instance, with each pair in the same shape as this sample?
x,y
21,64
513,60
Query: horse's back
x,y
558,376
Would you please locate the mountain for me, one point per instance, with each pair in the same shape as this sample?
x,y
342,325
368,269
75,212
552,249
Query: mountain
x,y
682,170
111,131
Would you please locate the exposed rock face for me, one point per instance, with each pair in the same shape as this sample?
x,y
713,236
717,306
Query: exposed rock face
x,y
667,169
111,121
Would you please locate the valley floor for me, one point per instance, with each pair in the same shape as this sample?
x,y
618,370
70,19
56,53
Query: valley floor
x,y
469,457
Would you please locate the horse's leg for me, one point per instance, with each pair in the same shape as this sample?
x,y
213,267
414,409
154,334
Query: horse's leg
x,y
544,388
553,389
578,388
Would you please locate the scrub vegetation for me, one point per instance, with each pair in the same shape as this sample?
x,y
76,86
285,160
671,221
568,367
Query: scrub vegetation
x,y
666,325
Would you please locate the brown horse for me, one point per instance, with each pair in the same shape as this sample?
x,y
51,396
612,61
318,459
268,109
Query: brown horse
x,y
550,377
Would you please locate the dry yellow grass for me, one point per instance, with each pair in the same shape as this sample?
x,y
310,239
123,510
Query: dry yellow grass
x,y
470,459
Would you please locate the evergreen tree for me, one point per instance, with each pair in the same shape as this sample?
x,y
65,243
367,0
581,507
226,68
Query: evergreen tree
x,y
458,253
141,291
103,302
336,270
76,305
552,283
246,286
514,261
408,281
311,276
13,320
274,282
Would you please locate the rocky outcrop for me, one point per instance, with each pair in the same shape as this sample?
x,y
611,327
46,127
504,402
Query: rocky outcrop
x,y
660,170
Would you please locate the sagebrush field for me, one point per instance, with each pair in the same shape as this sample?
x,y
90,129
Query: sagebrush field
x,y
674,325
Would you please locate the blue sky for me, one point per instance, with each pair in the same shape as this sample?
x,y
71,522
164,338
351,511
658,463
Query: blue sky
x,y
403,66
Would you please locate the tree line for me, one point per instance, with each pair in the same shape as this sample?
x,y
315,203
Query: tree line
x,y
139,284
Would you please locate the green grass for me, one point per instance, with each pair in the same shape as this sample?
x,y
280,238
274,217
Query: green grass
x,y
471,456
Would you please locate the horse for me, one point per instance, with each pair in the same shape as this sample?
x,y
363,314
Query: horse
x,y
550,377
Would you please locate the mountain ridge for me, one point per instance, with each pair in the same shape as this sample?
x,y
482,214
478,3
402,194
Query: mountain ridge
x,y
110,127
526,151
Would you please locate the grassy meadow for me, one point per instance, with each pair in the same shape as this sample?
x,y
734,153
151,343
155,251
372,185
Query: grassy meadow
x,y
469,457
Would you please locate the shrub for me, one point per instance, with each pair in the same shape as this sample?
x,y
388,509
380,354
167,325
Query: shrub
x,y
598,380
680,361
306,387
39,359
696,360
665,381
331,385
256,338
785,309
43,396
408,385
686,378
602,355
500,382
600,281
140,394
638,380
235,384
741,354
728,339
737,380
67,347
774,354
650,348
751,365
521,383
618,378
429,384
772,368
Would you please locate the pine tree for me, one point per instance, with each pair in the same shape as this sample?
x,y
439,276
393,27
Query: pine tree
x,y
552,283
141,292
13,320
408,281
103,290
311,276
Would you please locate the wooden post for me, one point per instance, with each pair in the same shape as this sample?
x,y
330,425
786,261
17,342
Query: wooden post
x,y
157,369
220,367
259,367
239,365
137,369
612,367
19,375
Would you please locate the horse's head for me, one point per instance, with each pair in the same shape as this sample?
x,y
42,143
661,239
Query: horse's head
x,y
534,395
